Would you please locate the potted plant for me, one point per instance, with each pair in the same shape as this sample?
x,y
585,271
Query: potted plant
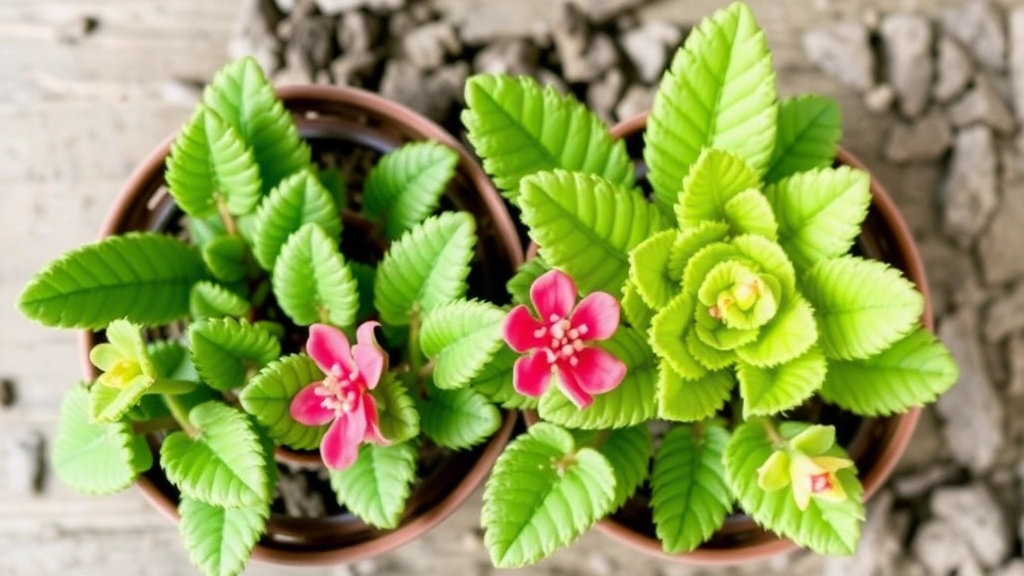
x,y
726,379
285,281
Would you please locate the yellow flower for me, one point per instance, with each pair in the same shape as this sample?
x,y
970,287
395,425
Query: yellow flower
x,y
803,464
123,359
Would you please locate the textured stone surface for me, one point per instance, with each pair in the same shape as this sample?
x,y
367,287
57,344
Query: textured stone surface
x,y
984,105
970,193
429,45
907,45
925,139
842,50
979,25
649,47
880,545
1005,315
953,70
331,7
1016,58
940,548
978,517
23,463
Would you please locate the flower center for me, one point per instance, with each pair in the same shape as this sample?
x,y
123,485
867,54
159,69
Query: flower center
x,y
565,340
122,373
340,391
820,483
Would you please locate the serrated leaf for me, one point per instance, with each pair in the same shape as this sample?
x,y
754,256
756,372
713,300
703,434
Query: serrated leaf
x,y
461,338
807,137
768,257
220,540
171,360
750,213
242,96
312,282
791,333
224,465
225,350
210,165
96,458
862,306
668,334
768,391
691,241
715,178
210,300
649,269
399,420
91,286
495,382
913,372
376,486
520,128
636,311
108,404
629,404
225,257
692,400
458,419
820,212
826,528
629,452
425,268
690,497
586,226
406,185
268,398
718,93
519,285
543,494
298,200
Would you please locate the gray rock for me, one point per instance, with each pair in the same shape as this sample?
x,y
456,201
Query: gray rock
x,y
879,545
999,246
357,32
923,140
299,501
584,56
978,517
1006,314
982,104
311,43
1015,353
601,11
292,74
948,268
354,69
23,463
954,70
402,82
603,95
649,48
77,29
637,99
843,50
254,34
515,56
432,95
939,546
926,445
880,98
428,46
907,45
181,92
549,78
1014,567
978,24
972,411
600,564
920,482
333,7
970,193
1016,59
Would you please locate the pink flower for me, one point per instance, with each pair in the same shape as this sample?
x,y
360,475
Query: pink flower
x,y
344,394
557,341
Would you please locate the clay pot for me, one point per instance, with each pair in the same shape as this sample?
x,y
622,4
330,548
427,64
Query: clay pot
x,y
340,120
875,444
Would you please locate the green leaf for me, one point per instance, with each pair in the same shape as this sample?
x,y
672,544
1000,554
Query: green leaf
x,y
520,128
242,96
691,241
768,257
91,286
718,93
210,165
544,493
171,360
268,398
108,404
629,451
668,334
96,458
791,333
862,306
225,350
425,268
649,269
715,178
519,285
399,420
300,199
224,465
210,300
749,212
636,311
312,282
225,257
586,226
692,400
377,485
820,212
768,391
824,527
406,185
333,180
690,497
809,128
364,275
495,382
913,372
458,419
220,540
461,338
629,404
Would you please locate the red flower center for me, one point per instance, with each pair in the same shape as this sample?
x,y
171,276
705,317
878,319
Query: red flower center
x,y
565,341
820,483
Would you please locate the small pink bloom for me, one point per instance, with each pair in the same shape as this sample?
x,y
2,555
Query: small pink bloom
x,y
557,341
344,394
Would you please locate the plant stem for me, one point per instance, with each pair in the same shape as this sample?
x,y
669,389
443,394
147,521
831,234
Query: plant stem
x,y
155,425
180,414
227,218
413,351
773,433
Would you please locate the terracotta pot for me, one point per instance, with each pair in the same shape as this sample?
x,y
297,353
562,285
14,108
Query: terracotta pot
x,y
341,120
875,444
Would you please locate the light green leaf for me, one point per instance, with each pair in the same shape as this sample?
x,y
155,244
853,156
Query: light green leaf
x,y
519,285
636,311
461,338
718,93
268,398
520,128
298,200
108,404
495,382
544,493
399,420
690,497
862,306
458,419
668,336
225,351
312,281
750,213
225,257
629,452
406,185
715,178
691,241
425,268
913,372
692,400
210,300
824,527
649,269
820,212
91,286
808,134
791,333
172,360
377,485
220,540
768,257
768,391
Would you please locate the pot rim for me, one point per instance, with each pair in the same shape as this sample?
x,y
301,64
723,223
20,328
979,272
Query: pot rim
x,y
306,97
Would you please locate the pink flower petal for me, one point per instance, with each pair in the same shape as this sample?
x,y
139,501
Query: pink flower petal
x,y
599,313
598,370
340,446
307,407
520,330
532,374
553,294
329,347
370,363
365,334
372,421
570,386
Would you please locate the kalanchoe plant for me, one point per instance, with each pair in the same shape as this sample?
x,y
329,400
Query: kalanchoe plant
x,y
742,300
235,336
